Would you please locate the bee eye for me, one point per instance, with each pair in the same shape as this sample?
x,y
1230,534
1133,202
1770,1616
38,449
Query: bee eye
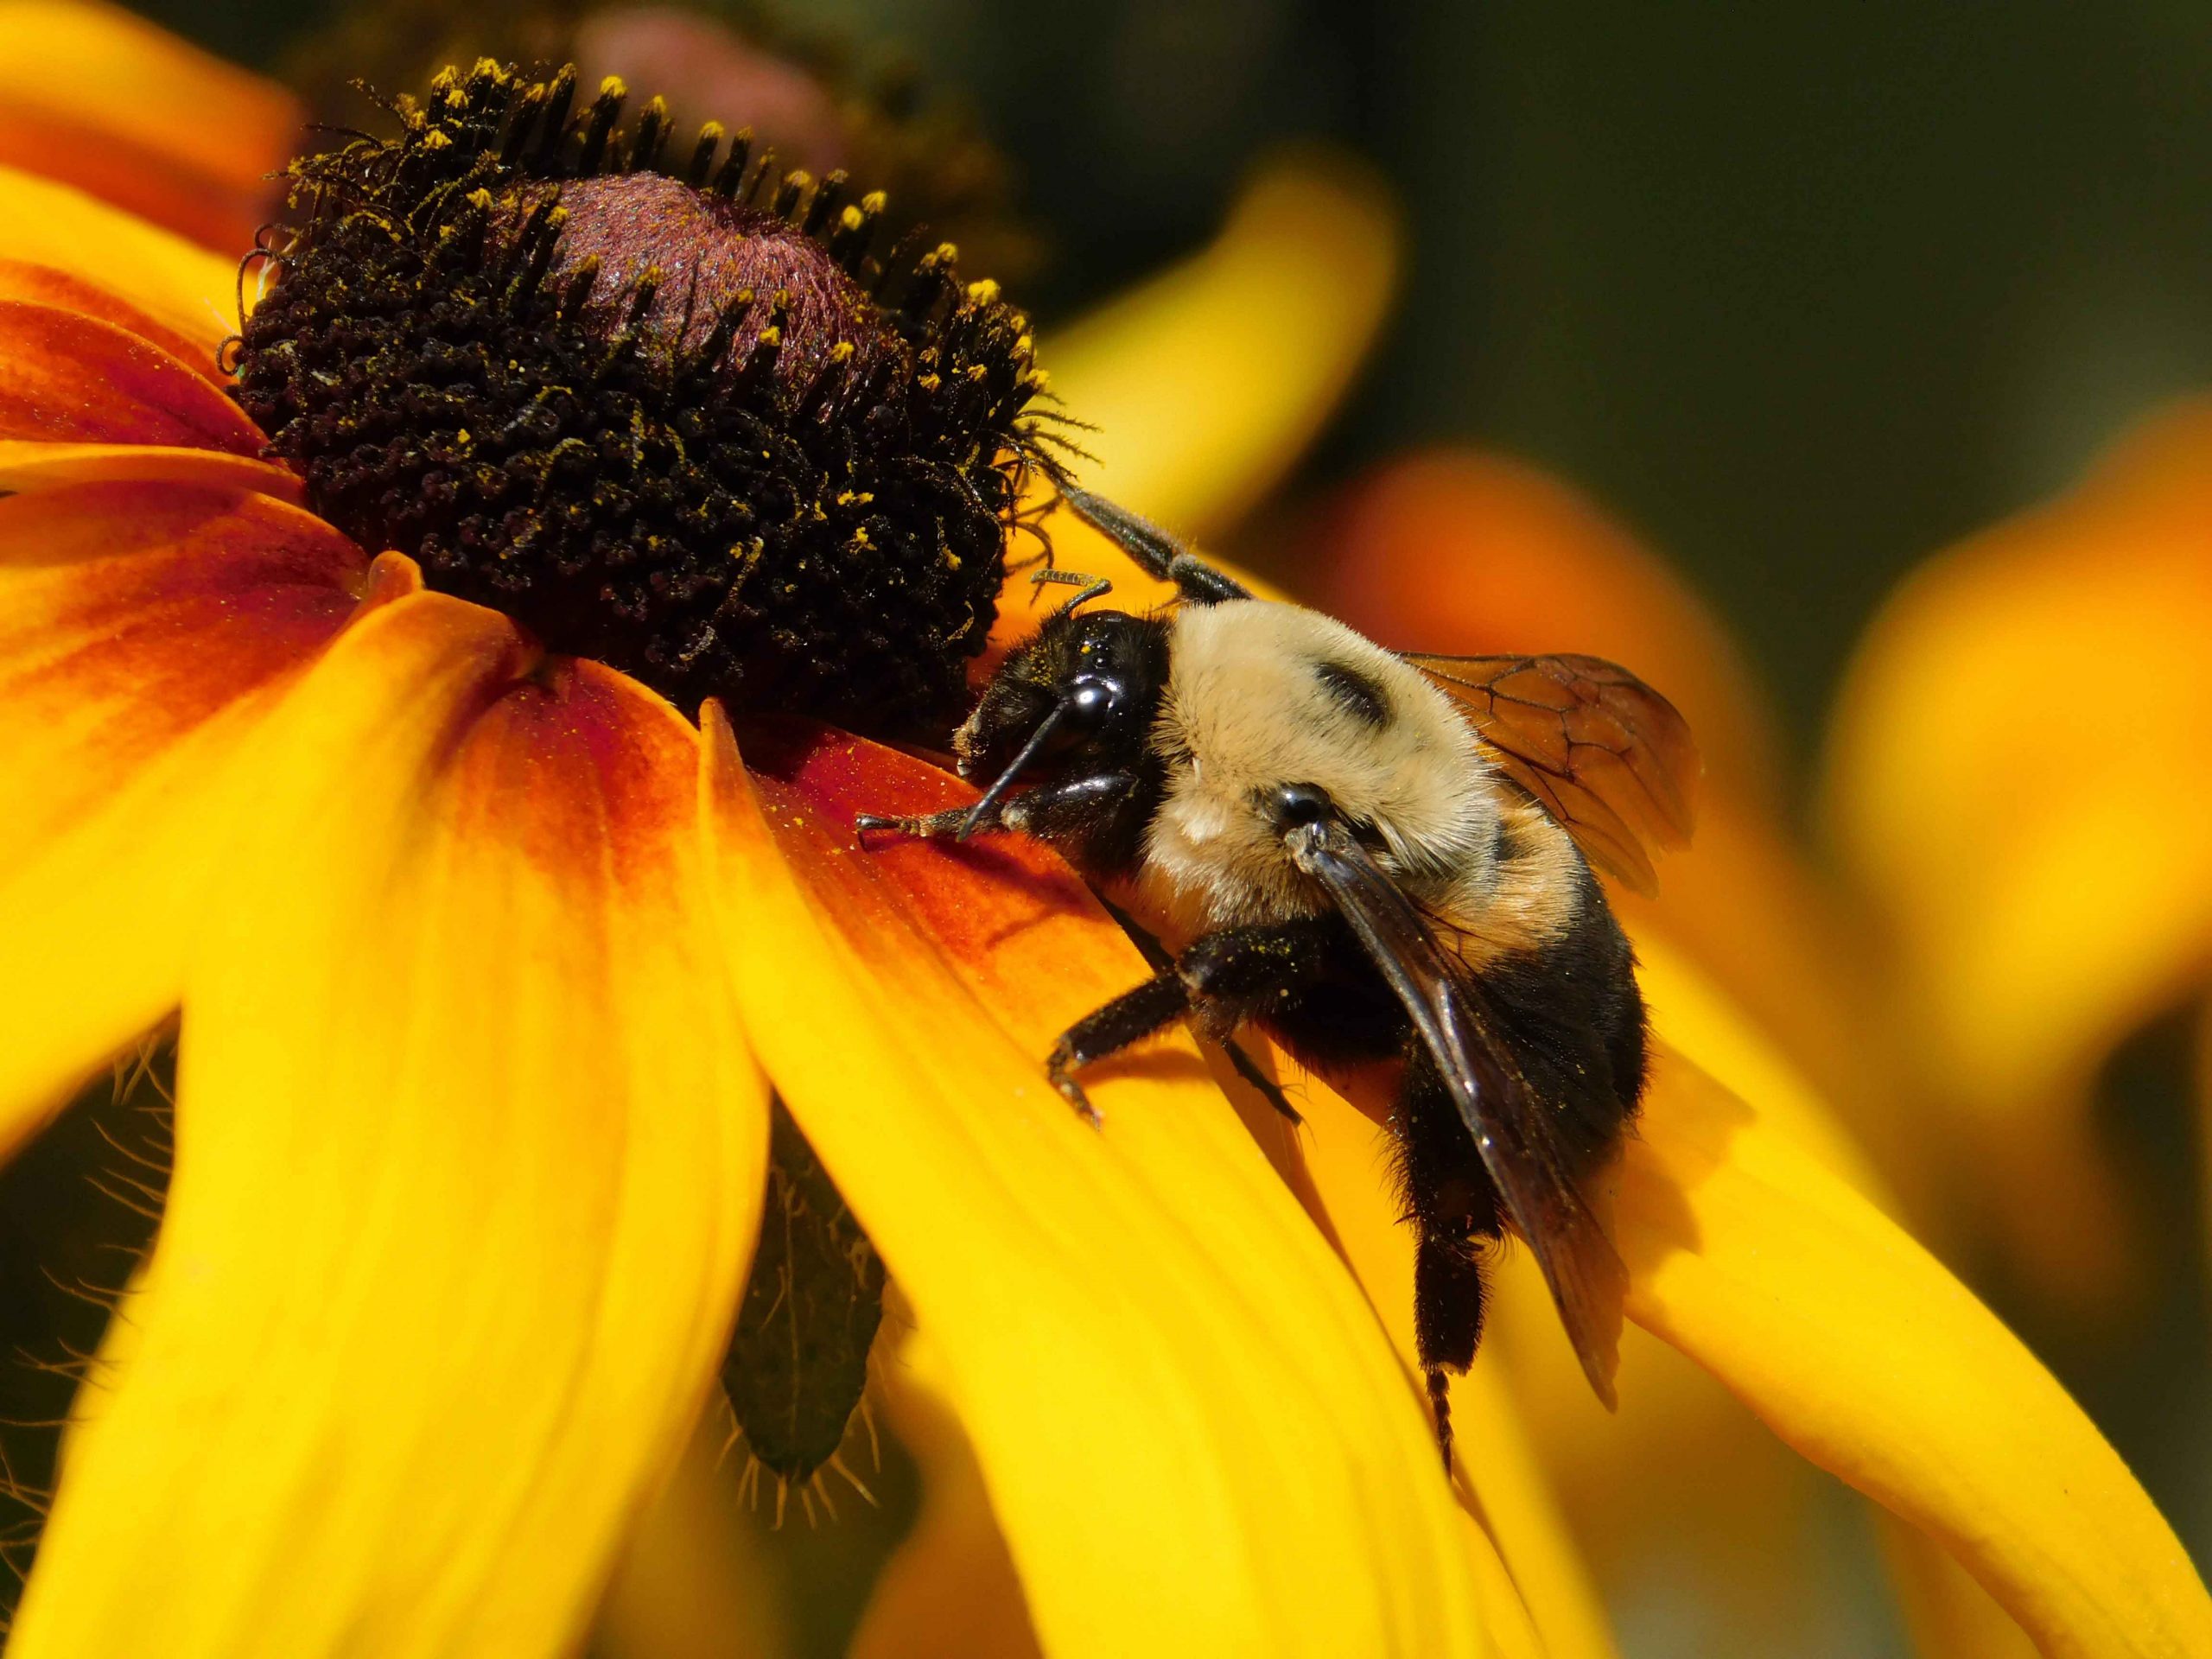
x,y
1296,805
1088,701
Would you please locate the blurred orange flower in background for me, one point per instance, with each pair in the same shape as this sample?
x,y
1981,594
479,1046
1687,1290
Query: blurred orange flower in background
x,y
437,1295
93,95
2019,778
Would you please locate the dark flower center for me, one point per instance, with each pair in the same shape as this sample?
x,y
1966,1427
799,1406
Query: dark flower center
x,y
692,422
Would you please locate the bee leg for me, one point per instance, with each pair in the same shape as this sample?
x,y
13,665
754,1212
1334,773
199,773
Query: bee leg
x,y
1236,974
948,822
1455,1210
1062,810
1068,810
1156,956
1269,1091
1156,552
1225,979
1126,1021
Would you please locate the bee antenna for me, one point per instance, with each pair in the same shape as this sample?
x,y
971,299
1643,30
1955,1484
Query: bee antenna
x,y
977,813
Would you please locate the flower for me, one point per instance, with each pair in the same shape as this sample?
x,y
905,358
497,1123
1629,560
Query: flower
x,y
412,775
489,961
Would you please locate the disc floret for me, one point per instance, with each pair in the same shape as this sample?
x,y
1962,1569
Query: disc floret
x,y
684,415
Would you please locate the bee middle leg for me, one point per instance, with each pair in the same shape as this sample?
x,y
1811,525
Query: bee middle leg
x,y
1224,980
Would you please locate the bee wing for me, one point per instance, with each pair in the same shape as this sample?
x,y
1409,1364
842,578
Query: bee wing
x,y
1606,755
1519,1145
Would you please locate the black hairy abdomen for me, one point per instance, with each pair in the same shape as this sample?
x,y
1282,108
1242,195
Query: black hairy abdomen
x,y
1569,1015
1573,1017
1568,1011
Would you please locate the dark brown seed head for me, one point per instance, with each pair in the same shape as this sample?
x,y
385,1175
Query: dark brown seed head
x,y
666,405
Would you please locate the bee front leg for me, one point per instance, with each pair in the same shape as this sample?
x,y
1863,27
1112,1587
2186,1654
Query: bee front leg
x,y
1058,810
948,822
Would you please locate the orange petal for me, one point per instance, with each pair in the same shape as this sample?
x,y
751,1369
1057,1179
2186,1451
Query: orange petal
x,y
46,285
1024,602
469,1162
1468,551
2020,774
65,377
185,289
1143,1317
31,464
91,94
145,633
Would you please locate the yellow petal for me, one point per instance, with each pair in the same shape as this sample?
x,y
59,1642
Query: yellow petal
x,y
90,93
1531,1574
1680,1485
1204,385
1747,906
2020,774
692,1583
1856,1347
951,1590
1706,1026
185,289
1682,1480
145,634
1679,1478
1947,1613
1193,1434
469,1159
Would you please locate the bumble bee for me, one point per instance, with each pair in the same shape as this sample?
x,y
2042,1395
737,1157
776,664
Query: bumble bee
x,y
1377,858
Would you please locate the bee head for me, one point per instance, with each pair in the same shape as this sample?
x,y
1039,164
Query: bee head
x,y
1085,687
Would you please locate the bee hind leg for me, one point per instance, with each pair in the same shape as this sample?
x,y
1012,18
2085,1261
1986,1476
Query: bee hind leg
x,y
1155,953
1457,1214
1450,1294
